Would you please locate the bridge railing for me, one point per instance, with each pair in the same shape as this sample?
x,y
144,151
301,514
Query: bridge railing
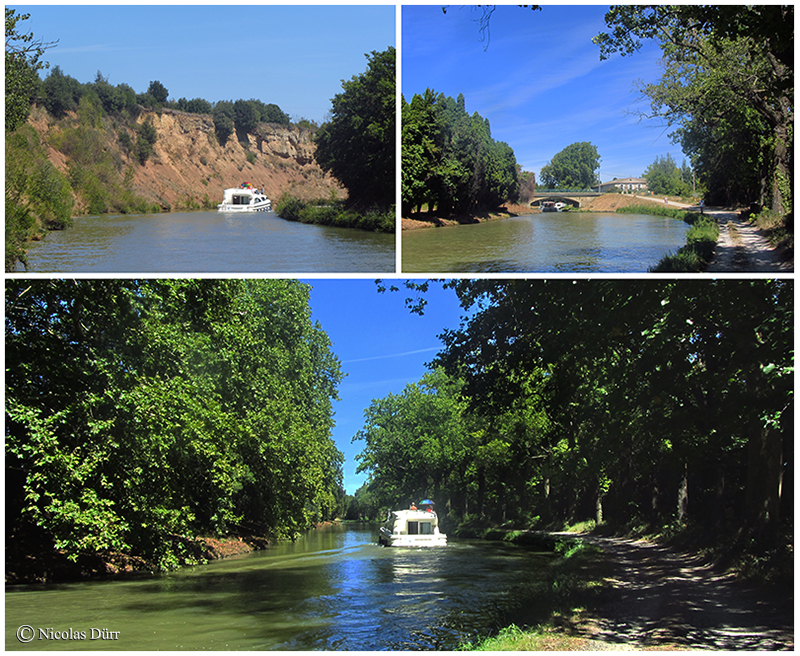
x,y
566,191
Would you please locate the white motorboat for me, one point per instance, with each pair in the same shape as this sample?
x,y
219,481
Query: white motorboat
x,y
549,206
412,528
244,198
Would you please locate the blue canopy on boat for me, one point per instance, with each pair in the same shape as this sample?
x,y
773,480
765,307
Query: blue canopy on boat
x,y
426,502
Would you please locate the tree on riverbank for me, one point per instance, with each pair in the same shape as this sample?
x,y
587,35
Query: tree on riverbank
x,y
450,160
635,402
140,413
728,85
357,146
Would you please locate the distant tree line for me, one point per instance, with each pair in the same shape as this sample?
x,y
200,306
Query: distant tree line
x,y
60,93
450,162
141,414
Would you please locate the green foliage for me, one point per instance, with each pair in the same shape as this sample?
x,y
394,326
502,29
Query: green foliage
x,y
417,444
656,209
195,106
270,113
357,146
96,175
603,398
632,405
166,409
223,120
335,214
701,240
22,65
38,196
61,93
245,116
575,167
19,227
450,161
664,178
158,91
728,86
146,137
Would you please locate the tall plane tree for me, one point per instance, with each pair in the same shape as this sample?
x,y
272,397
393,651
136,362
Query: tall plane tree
x,y
357,146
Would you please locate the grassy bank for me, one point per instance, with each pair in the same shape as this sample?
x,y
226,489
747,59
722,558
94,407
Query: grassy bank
x,y
334,214
569,584
700,239
698,251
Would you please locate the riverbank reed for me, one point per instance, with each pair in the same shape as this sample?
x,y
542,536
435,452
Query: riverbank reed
x,y
334,214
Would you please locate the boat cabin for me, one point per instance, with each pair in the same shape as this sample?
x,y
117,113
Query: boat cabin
x,y
412,528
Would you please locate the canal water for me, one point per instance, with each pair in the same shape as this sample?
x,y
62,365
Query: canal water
x,y
554,242
208,242
333,589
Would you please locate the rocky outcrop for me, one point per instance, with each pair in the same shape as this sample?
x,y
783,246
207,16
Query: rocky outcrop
x,y
190,167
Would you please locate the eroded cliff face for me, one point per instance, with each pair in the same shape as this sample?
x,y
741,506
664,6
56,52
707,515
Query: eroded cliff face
x,y
189,163
190,168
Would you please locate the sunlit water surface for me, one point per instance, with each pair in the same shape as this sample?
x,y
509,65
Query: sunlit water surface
x,y
556,242
208,242
332,589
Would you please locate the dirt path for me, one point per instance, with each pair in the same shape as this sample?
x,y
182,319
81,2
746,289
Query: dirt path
x,y
742,248
660,598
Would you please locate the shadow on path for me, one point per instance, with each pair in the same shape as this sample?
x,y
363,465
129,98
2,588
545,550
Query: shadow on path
x,y
658,597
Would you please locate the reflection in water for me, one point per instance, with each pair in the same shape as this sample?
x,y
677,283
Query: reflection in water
x,y
551,242
209,242
332,589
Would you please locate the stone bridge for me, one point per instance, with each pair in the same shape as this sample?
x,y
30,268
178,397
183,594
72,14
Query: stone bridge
x,y
570,197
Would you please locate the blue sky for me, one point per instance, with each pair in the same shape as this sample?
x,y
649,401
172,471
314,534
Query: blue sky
x,y
381,345
540,83
294,56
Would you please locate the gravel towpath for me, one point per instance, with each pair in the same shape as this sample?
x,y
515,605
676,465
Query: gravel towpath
x,y
742,249
661,599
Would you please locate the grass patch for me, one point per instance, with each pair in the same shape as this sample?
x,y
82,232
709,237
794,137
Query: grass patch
x,y
701,240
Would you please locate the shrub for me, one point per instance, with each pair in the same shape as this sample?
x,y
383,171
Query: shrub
x,y
36,193
223,120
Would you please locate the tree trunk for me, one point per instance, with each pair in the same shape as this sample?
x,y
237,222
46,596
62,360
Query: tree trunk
x,y
683,495
599,507
764,479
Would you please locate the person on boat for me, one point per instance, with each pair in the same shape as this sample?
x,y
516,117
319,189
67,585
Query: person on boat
x,y
413,506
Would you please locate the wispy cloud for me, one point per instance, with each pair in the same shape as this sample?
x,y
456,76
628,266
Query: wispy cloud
x,y
98,47
393,355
